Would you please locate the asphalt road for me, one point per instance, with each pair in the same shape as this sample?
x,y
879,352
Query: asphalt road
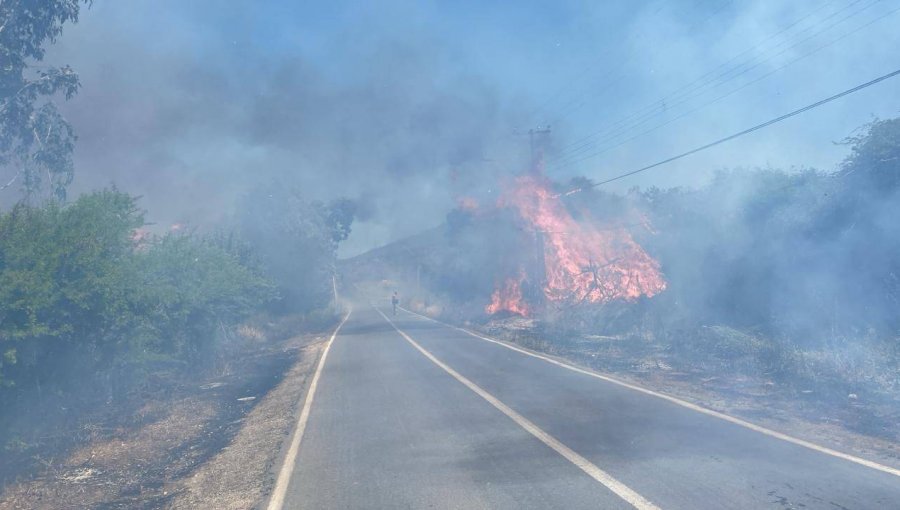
x,y
435,418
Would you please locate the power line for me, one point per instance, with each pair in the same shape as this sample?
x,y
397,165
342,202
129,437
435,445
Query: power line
x,y
686,93
744,132
562,91
581,98
575,159
585,143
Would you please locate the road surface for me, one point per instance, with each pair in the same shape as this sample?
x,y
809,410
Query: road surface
x,y
410,413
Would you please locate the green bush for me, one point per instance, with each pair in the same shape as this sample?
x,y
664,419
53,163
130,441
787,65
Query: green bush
x,y
80,292
185,290
61,277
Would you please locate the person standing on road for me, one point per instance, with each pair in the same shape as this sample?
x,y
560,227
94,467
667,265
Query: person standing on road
x,y
395,301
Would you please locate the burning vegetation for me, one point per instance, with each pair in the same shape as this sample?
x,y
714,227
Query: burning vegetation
x,y
575,261
778,281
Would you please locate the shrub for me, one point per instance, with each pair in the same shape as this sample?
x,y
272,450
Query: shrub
x,y
79,292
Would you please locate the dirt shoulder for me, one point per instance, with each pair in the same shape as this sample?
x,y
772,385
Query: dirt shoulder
x,y
242,475
210,444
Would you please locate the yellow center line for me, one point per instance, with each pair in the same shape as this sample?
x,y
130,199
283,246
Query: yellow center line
x,y
617,487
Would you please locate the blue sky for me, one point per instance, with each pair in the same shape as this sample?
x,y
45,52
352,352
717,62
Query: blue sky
x,y
406,105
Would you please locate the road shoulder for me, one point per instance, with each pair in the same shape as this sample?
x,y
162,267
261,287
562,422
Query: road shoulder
x,y
206,442
242,475
777,413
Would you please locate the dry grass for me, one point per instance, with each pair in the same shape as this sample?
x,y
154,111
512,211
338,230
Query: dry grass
x,y
240,476
209,445
114,466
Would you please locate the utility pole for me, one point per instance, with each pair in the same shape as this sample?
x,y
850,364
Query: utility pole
x,y
536,137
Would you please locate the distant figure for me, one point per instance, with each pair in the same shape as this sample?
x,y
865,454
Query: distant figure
x,y
395,301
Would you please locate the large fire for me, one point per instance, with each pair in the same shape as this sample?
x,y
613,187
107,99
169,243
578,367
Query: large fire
x,y
581,263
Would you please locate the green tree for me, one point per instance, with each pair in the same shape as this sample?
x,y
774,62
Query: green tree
x,y
36,142
296,240
81,293
874,160
62,286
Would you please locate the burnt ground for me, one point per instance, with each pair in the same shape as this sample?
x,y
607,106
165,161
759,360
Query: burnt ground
x,y
171,447
852,418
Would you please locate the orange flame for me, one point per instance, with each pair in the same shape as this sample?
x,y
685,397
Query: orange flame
x,y
581,262
508,297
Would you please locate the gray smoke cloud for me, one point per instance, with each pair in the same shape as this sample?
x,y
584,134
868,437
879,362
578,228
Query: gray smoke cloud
x,y
404,106
398,130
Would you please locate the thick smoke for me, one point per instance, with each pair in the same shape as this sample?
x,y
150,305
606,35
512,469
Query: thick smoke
x,y
193,121
405,105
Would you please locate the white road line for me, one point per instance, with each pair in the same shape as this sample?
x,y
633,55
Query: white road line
x,y
682,403
620,489
284,476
